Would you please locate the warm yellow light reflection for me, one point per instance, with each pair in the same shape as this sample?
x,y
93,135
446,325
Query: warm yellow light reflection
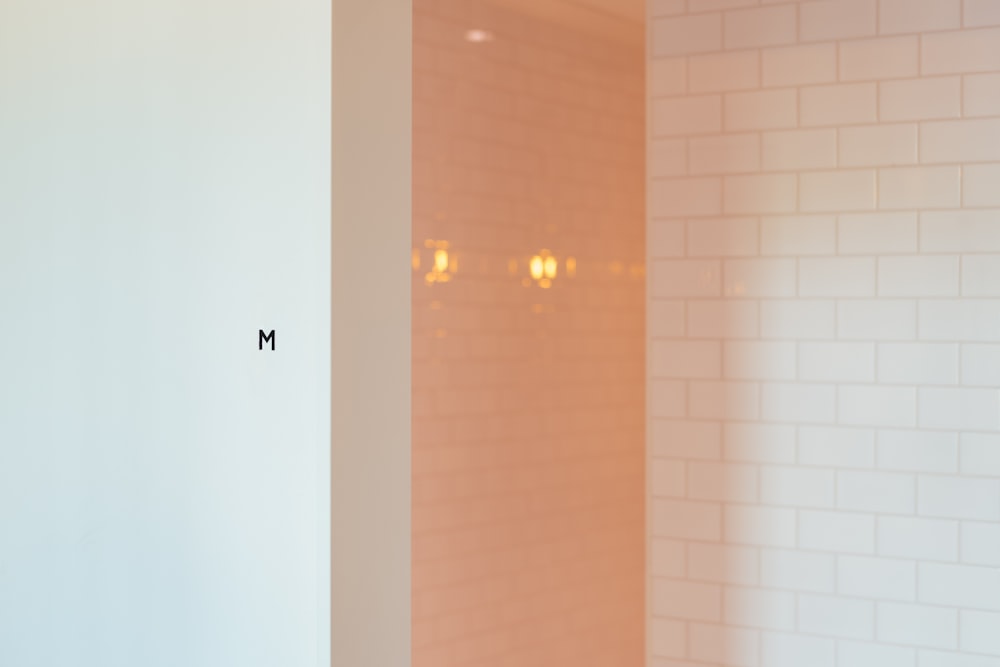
x,y
444,264
571,266
543,268
415,259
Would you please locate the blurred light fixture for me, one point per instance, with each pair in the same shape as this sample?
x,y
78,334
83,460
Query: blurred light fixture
x,y
443,264
478,36
543,268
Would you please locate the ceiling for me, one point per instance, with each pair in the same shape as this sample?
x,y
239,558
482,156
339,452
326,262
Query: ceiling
x,y
621,20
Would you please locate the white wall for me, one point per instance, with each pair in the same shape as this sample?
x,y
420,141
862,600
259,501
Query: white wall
x,y
824,318
164,194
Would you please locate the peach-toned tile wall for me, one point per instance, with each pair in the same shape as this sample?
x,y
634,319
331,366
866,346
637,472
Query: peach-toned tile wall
x,y
528,461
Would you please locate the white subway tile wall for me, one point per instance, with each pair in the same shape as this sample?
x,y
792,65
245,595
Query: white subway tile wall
x,y
830,437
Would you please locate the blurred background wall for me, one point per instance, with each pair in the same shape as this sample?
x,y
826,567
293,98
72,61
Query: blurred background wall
x,y
824,308
528,334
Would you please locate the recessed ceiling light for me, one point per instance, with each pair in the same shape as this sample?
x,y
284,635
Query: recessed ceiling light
x,y
479,36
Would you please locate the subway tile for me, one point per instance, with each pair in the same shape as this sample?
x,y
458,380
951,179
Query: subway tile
x,y
979,632
837,532
685,278
667,558
879,59
877,578
841,104
685,197
722,237
724,154
667,76
761,110
862,405
920,539
724,72
763,277
799,65
804,403
877,319
686,519
960,51
960,408
759,608
981,13
724,482
712,5
717,318
798,235
926,276
981,275
918,363
798,319
723,563
919,187
981,93
683,359
673,116
758,443
981,543
794,650
665,238
866,654
676,598
958,498
878,145
668,478
725,400
798,570
684,35
797,487
666,318
975,140
840,191
792,150
960,231
981,454
666,7
837,277
763,193
960,319
667,157
979,185
981,365
667,398
685,439
917,625
920,99
761,526
837,19
877,233
964,586
836,446
757,360
766,26
668,638
716,643
907,16
837,362
880,492
836,617
917,451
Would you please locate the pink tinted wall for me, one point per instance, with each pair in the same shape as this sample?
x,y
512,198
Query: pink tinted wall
x,y
824,246
528,426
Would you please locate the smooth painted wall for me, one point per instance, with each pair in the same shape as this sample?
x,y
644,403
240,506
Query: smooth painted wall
x,y
164,194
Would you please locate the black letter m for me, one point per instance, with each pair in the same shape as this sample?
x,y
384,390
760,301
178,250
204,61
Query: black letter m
x,y
265,338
